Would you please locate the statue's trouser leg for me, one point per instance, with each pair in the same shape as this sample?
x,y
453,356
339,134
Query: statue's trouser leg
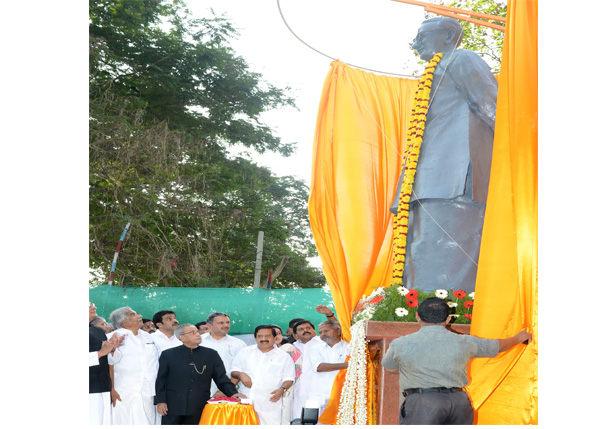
x,y
433,259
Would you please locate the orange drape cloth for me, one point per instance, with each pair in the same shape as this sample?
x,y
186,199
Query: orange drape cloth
x,y
228,414
504,389
360,132
329,415
359,139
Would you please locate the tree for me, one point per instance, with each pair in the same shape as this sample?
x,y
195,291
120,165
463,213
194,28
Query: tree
x,y
484,40
167,97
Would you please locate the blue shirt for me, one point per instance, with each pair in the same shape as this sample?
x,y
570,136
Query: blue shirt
x,y
435,357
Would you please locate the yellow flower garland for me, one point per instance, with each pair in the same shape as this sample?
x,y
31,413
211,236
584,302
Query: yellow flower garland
x,y
411,156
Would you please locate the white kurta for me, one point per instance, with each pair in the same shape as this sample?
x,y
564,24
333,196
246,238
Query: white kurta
x,y
227,347
322,382
163,342
135,370
267,371
302,388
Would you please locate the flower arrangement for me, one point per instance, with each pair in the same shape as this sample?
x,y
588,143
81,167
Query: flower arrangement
x,y
353,400
399,304
411,156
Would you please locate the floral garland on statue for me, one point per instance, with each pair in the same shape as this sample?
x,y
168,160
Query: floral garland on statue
x,y
353,401
411,156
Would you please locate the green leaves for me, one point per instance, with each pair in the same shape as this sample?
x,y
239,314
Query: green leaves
x,y
167,97
487,42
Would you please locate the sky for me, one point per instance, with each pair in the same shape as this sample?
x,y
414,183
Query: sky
x,y
45,175
374,34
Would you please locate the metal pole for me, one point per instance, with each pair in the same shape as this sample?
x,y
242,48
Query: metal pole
x,y
114,263
259,251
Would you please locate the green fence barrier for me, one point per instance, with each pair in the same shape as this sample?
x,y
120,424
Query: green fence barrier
x,y
247,307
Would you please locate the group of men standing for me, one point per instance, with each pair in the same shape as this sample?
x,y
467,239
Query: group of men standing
x,y
164,373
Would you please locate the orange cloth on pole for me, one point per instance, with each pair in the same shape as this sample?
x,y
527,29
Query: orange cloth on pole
x,y
504,389
358,148
228,414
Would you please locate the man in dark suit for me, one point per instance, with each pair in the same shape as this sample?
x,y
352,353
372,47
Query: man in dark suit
x,y
184,376
100,383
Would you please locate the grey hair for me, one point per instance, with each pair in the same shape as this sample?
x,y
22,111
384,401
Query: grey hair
x,y
118,316
179,330
446,23
333,323
211,317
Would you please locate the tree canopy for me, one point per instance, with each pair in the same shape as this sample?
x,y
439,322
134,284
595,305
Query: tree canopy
x,y
486,41
168,96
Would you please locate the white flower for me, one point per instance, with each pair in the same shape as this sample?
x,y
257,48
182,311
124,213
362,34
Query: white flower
x,y
353,399
452,304
377,292
441,293
472,295
454,315
402,290
400,312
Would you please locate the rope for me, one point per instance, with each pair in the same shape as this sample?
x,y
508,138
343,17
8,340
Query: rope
x,y
329,56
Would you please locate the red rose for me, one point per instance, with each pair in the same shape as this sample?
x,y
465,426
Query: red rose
x,y
460,294
468,304
412,293
468,316
359,307
412,302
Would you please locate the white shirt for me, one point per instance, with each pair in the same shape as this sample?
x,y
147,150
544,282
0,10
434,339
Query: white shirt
x,y
227,347
322,382
163,342
136,366
302,389
267,371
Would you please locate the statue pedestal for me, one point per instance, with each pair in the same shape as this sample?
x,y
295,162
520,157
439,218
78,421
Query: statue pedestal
x,y
380,335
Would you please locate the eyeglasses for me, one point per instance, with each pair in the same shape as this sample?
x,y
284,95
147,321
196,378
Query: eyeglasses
x,y
190,332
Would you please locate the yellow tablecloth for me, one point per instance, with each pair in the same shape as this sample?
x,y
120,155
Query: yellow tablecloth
x,y
228,414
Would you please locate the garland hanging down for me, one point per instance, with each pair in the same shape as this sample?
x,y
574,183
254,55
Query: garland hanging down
x,y
411,156
353,407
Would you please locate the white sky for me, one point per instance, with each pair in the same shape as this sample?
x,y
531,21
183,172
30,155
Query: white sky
x,y
374,34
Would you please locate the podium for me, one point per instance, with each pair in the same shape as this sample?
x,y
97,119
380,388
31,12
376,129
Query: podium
x,y
380,335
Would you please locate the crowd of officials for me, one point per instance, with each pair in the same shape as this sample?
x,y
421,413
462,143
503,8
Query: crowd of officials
x,y
157,371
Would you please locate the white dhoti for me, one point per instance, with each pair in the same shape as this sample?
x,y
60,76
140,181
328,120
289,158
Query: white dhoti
x,y
269,413
134,409
100,409
286,412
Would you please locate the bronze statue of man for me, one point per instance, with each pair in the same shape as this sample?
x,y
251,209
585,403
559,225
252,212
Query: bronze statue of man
x,y
453,170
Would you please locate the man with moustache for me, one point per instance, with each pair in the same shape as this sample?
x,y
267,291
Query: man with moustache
x,y
225,345
134,371
265,372
148,326
164,336
327,359
304,331
184,376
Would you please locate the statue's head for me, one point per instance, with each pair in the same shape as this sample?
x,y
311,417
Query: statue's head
x,y
439,34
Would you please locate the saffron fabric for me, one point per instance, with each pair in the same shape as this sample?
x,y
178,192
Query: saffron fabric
x,y
504,389
359,143
228,414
